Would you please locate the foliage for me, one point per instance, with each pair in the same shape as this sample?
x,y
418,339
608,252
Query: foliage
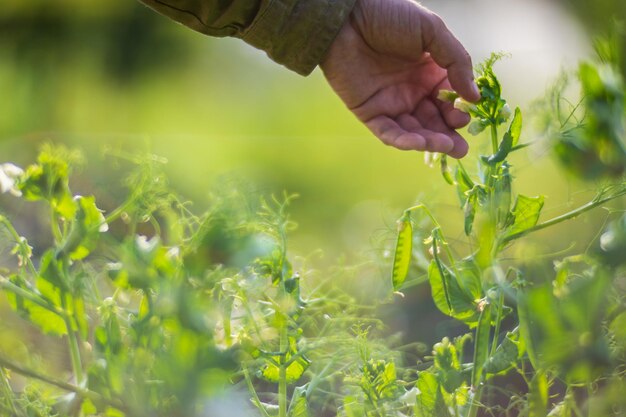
x,y
558,334
162,311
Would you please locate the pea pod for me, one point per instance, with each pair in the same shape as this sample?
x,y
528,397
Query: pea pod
x,y
445,171
402,255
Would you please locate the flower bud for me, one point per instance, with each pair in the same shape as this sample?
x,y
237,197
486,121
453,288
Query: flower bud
x,y
447,95
476,127
464,105
505,113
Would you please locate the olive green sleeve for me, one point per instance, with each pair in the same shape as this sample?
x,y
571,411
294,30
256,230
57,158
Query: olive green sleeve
x,y
294,33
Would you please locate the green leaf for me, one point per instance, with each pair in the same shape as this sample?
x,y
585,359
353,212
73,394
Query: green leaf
x,y
455,296
469,211
48,321
525,214
352,407
85,229
510,139
271,372
502,194
515,129
481,347
566,333
402,254
506,355
463,184
447,365
430,401
299,406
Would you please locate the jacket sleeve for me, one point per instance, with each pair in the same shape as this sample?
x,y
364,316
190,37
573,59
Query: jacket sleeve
x,y
294,33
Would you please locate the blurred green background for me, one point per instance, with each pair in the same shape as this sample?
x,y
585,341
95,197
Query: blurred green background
x,y
116,75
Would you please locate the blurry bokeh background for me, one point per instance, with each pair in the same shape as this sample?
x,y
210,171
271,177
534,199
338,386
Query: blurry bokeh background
x,y
115,75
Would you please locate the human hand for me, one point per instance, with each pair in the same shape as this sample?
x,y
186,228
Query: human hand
x,y
388,64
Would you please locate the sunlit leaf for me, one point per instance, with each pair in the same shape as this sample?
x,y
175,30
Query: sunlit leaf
x,y
525,214
506,355
448,295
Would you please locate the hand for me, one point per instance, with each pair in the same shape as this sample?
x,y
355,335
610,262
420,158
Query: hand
x,y
388,64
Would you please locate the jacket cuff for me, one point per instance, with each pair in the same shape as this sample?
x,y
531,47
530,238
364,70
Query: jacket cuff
x,y
297,33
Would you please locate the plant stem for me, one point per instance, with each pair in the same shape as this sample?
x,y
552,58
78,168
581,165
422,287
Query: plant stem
x,y
21,242
282,369
20,292
473,410
255,397
72,342
494,137
567,216
7,391
494,344
84,393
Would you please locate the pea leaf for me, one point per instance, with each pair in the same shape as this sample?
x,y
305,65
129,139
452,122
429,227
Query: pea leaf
x,y
525,214
448,295
299,406
430,401
85,229
447,365
271,372
48,321
506,355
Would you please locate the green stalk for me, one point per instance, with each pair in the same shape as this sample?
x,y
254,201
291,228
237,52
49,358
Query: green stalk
x,y
72,341
282,369
255,396
82,392
7,391
567,216
20,292
494,344
494,137
18,239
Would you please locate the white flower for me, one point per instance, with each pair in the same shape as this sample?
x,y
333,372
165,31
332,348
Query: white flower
x,y
505,113
464,105
476,127
447,95
9,174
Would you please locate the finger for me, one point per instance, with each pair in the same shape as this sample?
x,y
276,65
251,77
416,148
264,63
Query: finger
x,y
449,53
392,134
430,118
435,141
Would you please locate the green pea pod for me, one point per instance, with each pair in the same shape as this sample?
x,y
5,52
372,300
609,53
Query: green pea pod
x,y
441,270
402,255
445,171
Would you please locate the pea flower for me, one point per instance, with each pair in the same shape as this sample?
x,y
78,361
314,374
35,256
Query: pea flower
x,y
464,105
9,175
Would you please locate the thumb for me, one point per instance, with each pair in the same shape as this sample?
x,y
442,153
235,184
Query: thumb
x,y
449,53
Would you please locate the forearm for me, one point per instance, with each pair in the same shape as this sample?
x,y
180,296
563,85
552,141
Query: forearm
x,y
294,33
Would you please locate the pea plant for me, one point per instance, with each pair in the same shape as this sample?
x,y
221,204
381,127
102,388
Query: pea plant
x,y
561,336
156,311
149,308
